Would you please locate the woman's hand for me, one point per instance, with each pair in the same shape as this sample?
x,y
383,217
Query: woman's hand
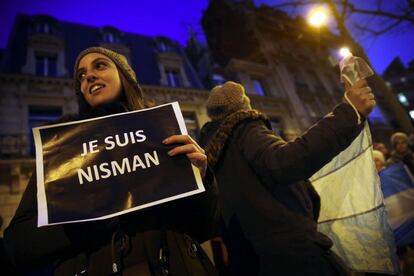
x,y
190,148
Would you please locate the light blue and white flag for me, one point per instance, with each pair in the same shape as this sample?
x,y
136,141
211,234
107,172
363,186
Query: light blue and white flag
x,y
397,184
352,209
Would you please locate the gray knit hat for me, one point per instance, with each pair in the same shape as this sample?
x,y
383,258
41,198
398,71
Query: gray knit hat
x,y
398,136
120,61
226,99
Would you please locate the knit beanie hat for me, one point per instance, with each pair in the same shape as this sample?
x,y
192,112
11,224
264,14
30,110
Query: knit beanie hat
x,y
120,62
226,99
378,155
398,136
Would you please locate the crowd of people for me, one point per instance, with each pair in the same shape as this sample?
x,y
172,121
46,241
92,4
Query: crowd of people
x,y
402,147
401,152
258,197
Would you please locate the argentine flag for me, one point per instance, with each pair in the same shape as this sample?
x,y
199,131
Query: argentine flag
x,y
352,212
398,187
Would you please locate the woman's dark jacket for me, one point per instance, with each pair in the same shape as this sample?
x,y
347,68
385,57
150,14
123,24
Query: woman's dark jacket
x,y
156,239
269,208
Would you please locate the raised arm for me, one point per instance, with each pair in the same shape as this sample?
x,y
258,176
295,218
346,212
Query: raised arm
x,y
290,162
285,163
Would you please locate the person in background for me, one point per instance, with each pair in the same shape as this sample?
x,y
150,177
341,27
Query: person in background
x,y
379,160
161,240
269,208
400,151
382,148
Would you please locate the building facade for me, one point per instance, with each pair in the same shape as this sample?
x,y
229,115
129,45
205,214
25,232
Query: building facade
x,y
400,79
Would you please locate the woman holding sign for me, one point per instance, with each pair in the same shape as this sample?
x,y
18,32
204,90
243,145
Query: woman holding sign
x,y
160,240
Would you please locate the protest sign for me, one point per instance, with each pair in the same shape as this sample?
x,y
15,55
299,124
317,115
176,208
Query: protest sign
x,y
103,167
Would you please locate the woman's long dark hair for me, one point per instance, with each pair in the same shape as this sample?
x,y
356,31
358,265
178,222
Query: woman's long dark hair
x,y
132,93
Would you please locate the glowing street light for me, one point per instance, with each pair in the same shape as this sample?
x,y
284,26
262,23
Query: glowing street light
x,y
318,16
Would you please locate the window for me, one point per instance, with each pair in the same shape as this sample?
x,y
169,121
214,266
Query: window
x,y
46,65
173,77
110,35
12,145
110,38
40,115
162,47
43,28
259,88
172,70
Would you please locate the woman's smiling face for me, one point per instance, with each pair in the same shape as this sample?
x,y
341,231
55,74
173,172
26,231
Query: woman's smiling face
x,y
99,79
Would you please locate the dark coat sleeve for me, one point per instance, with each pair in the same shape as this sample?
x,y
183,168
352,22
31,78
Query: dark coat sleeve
x,y
26,244
29,246
280,162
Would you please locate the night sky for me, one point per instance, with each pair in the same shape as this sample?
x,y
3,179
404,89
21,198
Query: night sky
x,y
172,19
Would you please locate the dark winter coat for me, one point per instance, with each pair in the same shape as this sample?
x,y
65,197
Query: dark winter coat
x,y
138,239
269,208
146,242
407,159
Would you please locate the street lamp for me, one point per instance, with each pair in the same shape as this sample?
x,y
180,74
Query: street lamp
x,y
316,18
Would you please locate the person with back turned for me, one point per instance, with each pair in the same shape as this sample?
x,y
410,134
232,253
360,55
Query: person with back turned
x,y
269,209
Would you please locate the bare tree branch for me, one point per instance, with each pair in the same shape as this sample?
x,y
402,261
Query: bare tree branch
x,y
394,19
381,14
407,16
381,31
298,3
344,8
